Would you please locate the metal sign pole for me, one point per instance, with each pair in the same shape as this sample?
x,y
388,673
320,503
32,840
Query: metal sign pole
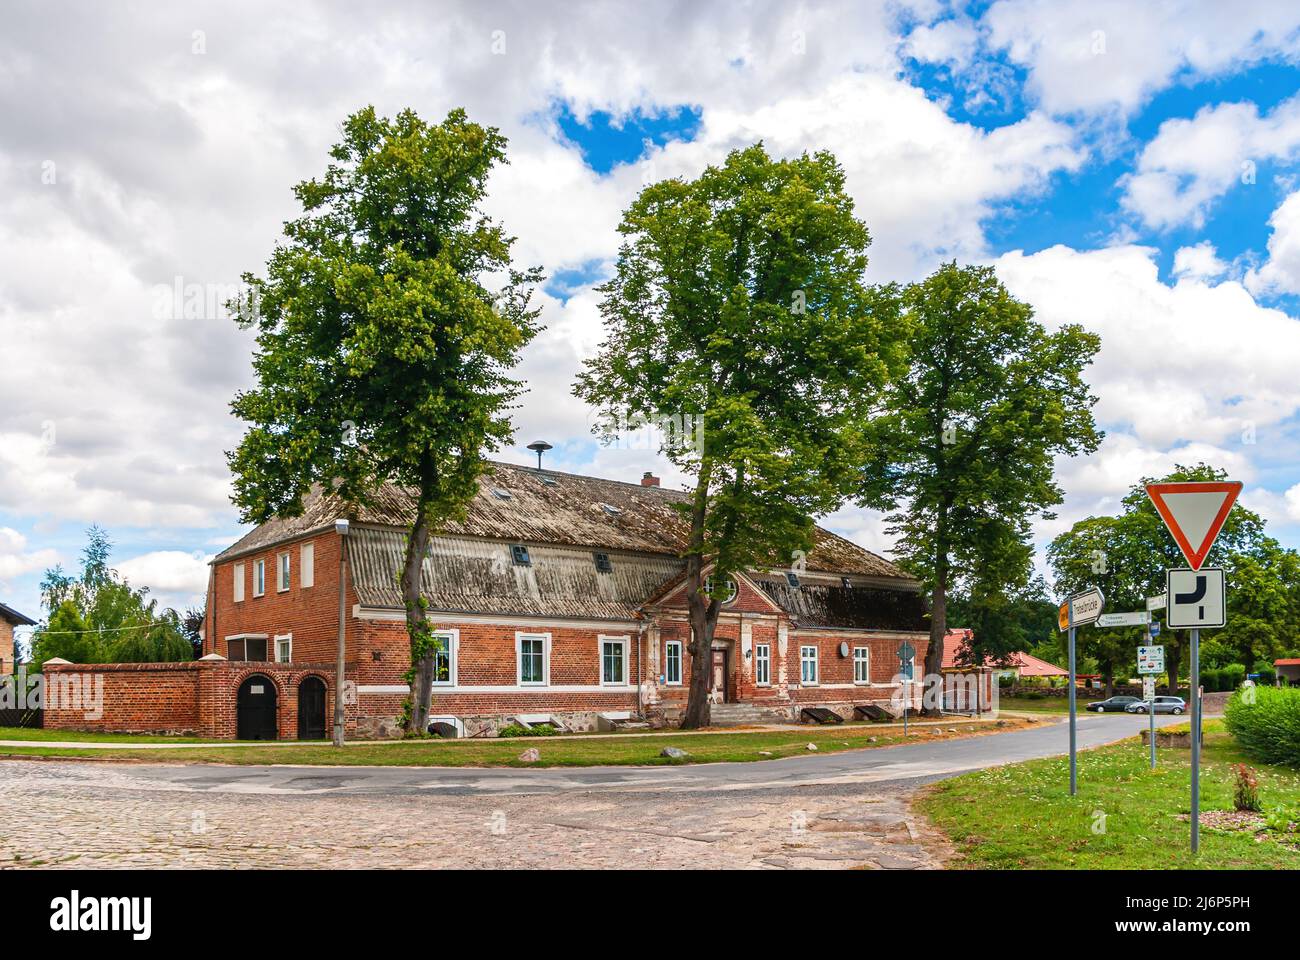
x,y
1196,739
907,695
1074,769
1151,712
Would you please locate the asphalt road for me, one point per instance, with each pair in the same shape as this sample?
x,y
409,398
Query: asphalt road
x,y
881,765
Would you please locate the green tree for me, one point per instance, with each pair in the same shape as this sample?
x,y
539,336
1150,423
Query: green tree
x,y
962,457
97,617
1127,556
738,299
388,321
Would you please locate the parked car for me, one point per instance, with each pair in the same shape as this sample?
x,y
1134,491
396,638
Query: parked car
x,y
1113,705
1163,705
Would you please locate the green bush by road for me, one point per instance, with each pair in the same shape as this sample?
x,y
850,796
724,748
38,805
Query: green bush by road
x,y
1265,722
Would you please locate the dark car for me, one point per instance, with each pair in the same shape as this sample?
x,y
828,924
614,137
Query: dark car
x,y
1163,705
1113,705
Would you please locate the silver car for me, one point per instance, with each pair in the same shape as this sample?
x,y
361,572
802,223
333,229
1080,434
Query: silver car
x,y
1162,705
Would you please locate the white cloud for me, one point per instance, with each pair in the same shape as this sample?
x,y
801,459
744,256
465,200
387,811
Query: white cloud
x,y
1199,262
16,559
1111,56
1191,363
176,578
1280,273
1191,163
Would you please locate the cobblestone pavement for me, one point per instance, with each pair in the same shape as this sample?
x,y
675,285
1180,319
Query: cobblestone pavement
x,y
93,815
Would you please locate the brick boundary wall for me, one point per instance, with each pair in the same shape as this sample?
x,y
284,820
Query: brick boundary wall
x,y
193,698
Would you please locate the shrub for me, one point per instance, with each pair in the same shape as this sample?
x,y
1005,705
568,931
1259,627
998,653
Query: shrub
x,y
1265,721
1245,795
519,730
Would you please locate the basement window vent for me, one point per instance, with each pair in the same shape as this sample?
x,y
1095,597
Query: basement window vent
x,y
519,554
501,494
610,509
603,563
792,578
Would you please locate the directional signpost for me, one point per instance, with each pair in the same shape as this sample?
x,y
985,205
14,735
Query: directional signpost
x,y
905,654
1151,661
1135,618
1079,609
1194,514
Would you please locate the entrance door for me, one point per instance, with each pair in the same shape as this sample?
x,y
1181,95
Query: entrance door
x,y
311,709
718,687
255,710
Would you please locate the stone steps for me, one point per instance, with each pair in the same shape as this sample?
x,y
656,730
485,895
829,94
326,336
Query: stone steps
x,y
744,714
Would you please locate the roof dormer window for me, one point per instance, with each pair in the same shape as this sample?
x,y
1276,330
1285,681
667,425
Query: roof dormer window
x,y
519,554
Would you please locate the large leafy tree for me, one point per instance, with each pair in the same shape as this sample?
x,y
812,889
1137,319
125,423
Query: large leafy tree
x,y
738,299
1127,556
962,457
388,322
98,617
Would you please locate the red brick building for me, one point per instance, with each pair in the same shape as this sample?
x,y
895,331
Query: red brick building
x,y
560,598
10,618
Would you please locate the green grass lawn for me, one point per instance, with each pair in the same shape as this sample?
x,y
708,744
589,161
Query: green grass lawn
x,y
576,752
36,733
1022,816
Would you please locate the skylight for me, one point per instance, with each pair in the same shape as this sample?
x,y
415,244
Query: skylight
x,y
610,509
501,494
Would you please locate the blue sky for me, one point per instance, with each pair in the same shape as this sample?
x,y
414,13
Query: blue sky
x,y
1132,168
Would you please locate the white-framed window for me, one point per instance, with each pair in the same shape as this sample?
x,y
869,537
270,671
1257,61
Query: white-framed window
x,y
259,577
861,665
808,665
763,664
239,582
533,657
282,572
673,663
284,648
307,566
613,661
445,643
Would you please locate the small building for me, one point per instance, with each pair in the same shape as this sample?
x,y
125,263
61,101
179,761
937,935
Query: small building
x,y
558,598
10,618
1288,670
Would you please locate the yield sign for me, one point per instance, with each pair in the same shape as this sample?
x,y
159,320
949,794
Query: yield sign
x,y
1194,513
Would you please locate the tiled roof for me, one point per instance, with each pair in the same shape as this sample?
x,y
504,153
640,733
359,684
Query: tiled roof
x,y
476,576
14,617
816,603
549,507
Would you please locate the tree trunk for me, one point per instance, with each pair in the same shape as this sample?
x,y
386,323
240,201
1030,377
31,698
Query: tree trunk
x,y
938,630
417,621
1173,658
1108,674
702,611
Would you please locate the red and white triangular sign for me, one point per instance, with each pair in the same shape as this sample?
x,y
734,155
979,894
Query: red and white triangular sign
x,y
1194,514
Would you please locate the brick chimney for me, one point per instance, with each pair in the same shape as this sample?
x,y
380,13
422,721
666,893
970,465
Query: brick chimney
x,y
648,479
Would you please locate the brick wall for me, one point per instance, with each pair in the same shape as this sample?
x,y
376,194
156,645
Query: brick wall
x,y
197,698
487,657
6,647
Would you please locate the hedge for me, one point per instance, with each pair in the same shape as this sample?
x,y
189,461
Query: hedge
x,y
1268,730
